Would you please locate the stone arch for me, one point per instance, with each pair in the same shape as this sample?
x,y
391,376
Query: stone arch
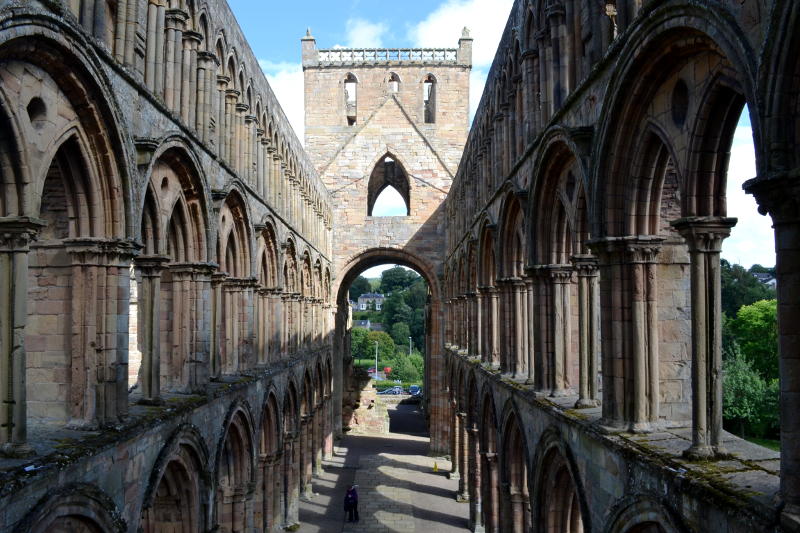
x,y
291,452
65,176
178,490
490,471
388,171
643,513
559,501
267,511
487,289
515,511
76,507
234,258
664,54
235,469
267,304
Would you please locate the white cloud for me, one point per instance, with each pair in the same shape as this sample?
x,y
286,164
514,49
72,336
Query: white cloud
x,y
486,20
286,80
752,240
362,33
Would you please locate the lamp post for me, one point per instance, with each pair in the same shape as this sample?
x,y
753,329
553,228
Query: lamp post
x,y
376,359
409,346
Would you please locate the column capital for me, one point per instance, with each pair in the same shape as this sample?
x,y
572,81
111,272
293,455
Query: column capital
x,y
100,251
585,265
628,249
232,94
151,265
241,107
777,195
16,233
207,58
704,234
194,38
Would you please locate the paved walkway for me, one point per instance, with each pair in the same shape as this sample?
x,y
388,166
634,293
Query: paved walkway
x,y
397,488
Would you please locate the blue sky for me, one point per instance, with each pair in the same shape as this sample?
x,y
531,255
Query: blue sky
x,y
274,30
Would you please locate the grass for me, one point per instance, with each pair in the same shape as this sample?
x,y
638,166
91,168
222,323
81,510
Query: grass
x,y
766,443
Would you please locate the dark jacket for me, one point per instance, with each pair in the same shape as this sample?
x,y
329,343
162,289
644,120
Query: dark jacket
x,y
350,499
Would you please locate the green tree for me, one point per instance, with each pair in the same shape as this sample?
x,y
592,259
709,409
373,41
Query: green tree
x,y
397,278
418,361
743,391
357,342
396,310
755,329
404,370
740,287
386,348
360,286
417,327
416,296
400,333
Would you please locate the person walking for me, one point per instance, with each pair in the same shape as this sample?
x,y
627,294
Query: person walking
x,y
351,503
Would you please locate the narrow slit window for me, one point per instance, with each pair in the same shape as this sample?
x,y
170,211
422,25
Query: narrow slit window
x,y
429,98
351,98
394,83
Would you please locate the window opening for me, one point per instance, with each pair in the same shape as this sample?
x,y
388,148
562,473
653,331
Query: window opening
x,y
429,98
351,98
394,83
388,190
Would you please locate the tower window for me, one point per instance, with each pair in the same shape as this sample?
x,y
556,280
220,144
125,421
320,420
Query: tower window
x,y
429,98
351,98
394,83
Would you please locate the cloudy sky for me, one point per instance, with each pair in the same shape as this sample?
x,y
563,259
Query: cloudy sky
x,y
274,30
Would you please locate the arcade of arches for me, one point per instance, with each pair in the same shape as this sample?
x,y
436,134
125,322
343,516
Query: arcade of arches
x,y
173,330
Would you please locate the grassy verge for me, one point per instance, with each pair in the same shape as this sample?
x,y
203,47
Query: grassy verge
x,y
766,443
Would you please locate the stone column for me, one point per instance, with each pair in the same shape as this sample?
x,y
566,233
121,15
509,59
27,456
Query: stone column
x,y
480,300
518,319
475,511
704,236
494,295
588,332
492,516
306,466
530,324
455,446
175,20
150,268
239,134
463,457
217,303
206,65
16,234
629,331
119,31
190,76
228,134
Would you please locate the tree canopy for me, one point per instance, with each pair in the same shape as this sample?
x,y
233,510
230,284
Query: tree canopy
x,y
397,278
360,286
740,287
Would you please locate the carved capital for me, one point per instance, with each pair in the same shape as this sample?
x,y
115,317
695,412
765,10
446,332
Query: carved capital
x,y
17,233
704,234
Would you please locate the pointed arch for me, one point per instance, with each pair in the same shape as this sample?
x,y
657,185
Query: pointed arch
x,y
388,172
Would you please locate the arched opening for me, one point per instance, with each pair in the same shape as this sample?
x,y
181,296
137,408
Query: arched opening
x,y
429,99
269,481
516,509
394,83
176,505
389,189
490,470
290,467
351,99
421,290
559,504
236,294
234,474
751,391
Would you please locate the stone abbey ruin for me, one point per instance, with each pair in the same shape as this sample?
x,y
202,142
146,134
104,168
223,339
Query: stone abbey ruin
x,y
174,264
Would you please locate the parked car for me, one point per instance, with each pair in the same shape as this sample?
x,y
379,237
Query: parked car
x,y
392,390
414,389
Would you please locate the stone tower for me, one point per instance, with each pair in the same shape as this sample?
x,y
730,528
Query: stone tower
x,y
388,117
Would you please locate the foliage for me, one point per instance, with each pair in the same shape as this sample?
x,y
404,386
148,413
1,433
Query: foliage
x,y
396,310
417,294
400,333
386,349
743,390
740,287
358,337
755,329
397,278
360,286
418,362
404,370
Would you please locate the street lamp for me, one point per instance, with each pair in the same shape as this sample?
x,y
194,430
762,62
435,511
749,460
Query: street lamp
x,y
409,346
376,359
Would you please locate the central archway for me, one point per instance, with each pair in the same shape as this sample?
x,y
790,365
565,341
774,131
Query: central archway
x,y
435,397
